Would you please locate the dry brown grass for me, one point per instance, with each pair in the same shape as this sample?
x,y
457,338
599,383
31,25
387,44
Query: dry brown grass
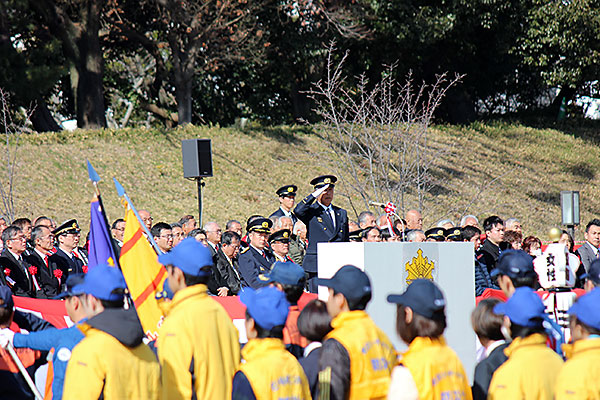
x,y
509,170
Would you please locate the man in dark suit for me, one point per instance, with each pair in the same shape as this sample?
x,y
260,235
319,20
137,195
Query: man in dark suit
x,y
489,251
588,252
48,274
227,264
287,197
66,260
256,260
15,268
324,222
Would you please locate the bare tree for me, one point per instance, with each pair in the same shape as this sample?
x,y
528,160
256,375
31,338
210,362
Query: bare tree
x,y
380,135
12,131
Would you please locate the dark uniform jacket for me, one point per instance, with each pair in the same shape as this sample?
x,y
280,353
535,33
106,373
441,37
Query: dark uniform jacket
x,y
230,273
252,264
66,264
23,285
320,228
50,286
310,364
484,371
488,255
280,213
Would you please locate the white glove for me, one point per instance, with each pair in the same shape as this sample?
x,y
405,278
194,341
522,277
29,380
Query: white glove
x,y
6,337
319,191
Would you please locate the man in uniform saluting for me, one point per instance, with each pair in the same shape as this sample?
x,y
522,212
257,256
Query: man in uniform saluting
x,y
256,260
324,222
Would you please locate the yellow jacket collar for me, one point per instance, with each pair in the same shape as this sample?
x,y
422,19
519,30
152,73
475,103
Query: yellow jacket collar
x,y
570,350
190,291
348,316
255,348
533,340
420,343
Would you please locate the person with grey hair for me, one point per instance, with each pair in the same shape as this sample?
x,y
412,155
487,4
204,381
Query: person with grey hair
x,y
213,236
366,219
298,243
178,233
415,235
16,271
469,220
445,223
48,275
234,226
513,224
283,223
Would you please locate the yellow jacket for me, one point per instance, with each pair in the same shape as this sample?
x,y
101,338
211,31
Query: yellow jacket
x,y
579,378
529,373
102,365
273,372
197,335
372,355
436,370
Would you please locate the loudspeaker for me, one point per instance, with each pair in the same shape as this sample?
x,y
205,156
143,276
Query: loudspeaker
x,y
197,158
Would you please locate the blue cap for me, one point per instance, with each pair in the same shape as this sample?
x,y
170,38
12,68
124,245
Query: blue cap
x,y
267,306
586,309
100,282
190,256
514,264
422,296
286,273
72,281
350,281
6,297
593,272
523,308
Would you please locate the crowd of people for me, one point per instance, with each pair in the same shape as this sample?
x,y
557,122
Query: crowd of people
x,y
328,349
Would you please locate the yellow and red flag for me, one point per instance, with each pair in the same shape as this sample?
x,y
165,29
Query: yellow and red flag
x,y
143,273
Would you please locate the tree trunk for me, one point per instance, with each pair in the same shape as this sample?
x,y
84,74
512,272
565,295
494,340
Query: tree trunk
x,y
183,95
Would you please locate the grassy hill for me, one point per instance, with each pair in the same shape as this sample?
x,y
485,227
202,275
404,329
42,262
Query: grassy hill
x,y
495,168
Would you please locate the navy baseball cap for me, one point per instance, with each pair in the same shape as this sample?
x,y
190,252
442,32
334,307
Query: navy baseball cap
x,y
6,297
422,296
523,308
593,273
190,256
100,282
514,264
287,273
267,306
350,281
72,281
586,309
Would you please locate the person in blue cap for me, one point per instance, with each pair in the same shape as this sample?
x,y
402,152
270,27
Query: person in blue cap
x,y
429,369
357,357
579,377
532,368
269,371
514,269
290,279
111,361
61,340
198,345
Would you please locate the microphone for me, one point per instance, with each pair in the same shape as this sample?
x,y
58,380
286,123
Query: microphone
x,y
374,203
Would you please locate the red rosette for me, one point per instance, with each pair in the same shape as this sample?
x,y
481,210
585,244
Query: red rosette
x,y
57,273
85,269
33,270
6,272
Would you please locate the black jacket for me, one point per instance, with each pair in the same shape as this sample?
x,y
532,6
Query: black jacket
x,y
252,265
23,286
230,273
484,371
50,286
66,264
335,356
310,364
488,255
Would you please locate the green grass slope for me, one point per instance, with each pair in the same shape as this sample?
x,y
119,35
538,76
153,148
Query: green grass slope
x,y
484,169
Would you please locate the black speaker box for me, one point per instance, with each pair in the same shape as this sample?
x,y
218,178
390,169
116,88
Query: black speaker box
x,y
197,158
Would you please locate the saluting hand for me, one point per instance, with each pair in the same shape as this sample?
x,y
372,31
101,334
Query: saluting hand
x,y
319,191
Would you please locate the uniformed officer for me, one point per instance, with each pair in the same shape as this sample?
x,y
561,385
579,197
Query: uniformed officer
x,y
280,244
287,198
324,222
66,259
435,235
256,259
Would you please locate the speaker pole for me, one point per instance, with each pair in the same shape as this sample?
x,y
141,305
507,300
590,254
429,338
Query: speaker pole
x,y
200,184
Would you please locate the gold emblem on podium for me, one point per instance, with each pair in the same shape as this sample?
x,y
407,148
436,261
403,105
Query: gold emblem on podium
x,y
419,268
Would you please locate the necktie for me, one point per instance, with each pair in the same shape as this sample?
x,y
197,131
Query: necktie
x,y
46,260
329,212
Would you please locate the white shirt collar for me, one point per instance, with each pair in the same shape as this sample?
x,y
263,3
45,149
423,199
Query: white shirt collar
x,y
42,255
494,346
311,346
17,257
594,248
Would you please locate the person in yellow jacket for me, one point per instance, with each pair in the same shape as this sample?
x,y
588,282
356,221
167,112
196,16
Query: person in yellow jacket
x,y
198,345
268,370
111,361
579,378
532,368
429,369
357,357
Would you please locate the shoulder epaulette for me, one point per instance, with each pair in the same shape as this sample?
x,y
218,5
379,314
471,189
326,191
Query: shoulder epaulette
x,y
245,250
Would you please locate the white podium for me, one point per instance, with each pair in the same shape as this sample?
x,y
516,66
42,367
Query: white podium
x,y
392,266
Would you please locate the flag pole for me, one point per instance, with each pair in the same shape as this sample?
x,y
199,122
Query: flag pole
x,y
95,178
121,193
23,371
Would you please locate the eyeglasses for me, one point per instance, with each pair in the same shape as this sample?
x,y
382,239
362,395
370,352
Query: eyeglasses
x,y
19,238
217,231
166,236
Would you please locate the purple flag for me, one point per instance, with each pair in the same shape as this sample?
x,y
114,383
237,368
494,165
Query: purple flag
x,y
100,249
